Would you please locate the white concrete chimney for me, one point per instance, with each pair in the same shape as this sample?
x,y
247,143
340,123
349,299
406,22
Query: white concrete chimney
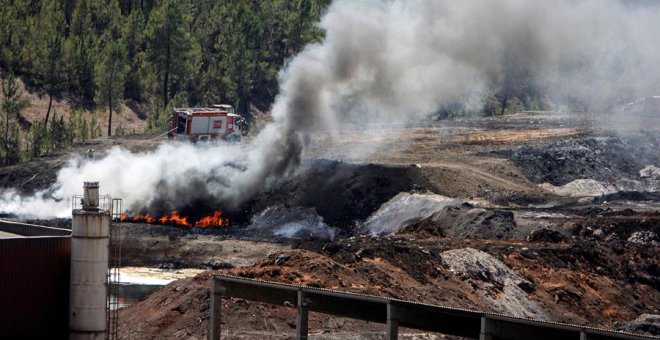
x,y
90,239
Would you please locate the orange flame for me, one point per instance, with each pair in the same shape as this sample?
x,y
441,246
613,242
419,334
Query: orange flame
x,y
215,220
144,218
175,218
212,221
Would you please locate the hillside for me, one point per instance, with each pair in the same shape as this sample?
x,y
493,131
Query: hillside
x,y
131,119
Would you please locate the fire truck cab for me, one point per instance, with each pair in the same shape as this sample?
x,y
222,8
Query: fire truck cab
x,y
646,105
207,123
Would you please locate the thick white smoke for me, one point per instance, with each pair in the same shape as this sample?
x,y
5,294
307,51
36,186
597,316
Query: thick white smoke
x,y
168,173
389,61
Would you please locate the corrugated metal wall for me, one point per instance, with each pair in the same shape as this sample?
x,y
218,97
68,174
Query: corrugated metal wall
x,y
34,287
32,229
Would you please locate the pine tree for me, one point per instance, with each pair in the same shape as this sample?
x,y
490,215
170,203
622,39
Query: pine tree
x,y
172,54
110,74
12,104
38,139
49,50
78,50
237,46
133,40
58,133
13,145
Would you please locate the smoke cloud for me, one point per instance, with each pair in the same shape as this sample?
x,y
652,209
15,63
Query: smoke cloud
x,y
388,61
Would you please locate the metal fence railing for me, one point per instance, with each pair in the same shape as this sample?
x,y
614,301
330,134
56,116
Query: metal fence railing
x,y
394,313
105,202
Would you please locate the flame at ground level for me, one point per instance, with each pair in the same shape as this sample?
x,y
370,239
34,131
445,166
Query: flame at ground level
x,y
210,221
175,218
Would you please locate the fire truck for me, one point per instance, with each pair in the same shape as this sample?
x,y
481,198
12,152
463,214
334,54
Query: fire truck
x,y
647,105
199,124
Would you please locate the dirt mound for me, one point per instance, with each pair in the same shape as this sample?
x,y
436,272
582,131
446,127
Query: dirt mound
x,y
493,281
178,310
181,309
418,262
466,221
281,222
605,159
341,193
648,324
405,209
546,235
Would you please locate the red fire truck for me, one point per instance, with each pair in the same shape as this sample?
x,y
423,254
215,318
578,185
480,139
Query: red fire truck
x,y
207,123
646,105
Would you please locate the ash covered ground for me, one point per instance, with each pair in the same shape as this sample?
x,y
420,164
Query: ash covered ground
x,y
541,215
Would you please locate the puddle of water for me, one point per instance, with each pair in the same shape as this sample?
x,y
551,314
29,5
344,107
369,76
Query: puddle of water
x,y
137,283
129,294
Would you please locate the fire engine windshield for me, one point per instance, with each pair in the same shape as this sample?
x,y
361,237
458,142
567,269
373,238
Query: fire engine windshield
x,y
180,124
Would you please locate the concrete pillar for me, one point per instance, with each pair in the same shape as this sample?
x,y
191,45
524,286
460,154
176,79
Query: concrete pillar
x,y
392,323
215,317
583,335
90,238
302,327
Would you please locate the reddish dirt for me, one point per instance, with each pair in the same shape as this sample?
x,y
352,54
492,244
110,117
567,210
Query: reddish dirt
x,y
180,310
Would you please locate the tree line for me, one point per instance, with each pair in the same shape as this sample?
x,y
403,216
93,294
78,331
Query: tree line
x,y
149,53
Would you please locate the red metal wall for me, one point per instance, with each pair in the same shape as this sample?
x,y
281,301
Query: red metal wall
x,y
34,287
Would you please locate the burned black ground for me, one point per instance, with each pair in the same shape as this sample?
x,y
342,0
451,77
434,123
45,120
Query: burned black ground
x,y
342,193
606,159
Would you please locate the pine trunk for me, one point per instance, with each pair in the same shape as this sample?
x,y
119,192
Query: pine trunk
x,y
50,104
110,120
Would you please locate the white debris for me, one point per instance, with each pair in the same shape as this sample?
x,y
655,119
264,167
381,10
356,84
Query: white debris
x,y
645,237
497,285
580,188
405,209
650,171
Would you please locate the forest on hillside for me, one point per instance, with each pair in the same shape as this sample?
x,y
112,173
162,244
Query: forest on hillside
x,y
154,53
157,54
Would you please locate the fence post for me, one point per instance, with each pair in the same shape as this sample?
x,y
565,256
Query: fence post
x,y
392,323
302,321
485,333
583,335
215,316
